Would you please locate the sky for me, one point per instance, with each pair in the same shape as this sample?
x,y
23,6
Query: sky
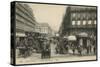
x,y
51,14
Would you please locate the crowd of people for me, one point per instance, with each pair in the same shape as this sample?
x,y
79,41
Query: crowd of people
x,y
37,43
87,44
33,43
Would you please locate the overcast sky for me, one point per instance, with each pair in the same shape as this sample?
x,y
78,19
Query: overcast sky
x,y
51,14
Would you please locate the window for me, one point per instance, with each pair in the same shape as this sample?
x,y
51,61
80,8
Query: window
x,y
95,16
84,15
73,15
84,22
81,16
78,23
73,22
95,22
78,15
89,22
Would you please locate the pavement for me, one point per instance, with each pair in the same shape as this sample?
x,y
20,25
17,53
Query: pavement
x,y
36,58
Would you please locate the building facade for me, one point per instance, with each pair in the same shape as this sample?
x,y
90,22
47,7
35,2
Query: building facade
x,y
25,20
79,19
43,28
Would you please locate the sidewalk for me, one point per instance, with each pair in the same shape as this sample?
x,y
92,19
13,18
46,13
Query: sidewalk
x,y
36,58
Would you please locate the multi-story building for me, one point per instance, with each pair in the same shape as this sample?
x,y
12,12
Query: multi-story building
x,y
79,19
25,21
43,28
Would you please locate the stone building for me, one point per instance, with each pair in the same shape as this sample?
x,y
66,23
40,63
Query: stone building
x,y
43,28
25,20
79,19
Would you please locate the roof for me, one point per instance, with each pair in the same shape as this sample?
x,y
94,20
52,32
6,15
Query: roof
x,y
83,8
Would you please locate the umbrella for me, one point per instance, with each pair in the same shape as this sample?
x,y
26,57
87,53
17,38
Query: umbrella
x,y
71,38
83,34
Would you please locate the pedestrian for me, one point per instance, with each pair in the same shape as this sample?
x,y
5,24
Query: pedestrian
x,y
43,49
48,50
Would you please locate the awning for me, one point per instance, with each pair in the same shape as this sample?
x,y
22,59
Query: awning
x,y
83,34
20,35
71,38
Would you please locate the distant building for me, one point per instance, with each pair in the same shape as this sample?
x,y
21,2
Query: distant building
x,y
25,20
79,19
43,28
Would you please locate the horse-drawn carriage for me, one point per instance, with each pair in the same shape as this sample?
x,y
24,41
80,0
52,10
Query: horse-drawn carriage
x,y
45,51
27,44
45,46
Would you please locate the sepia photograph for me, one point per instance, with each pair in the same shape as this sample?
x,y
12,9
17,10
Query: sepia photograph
x,y
54,33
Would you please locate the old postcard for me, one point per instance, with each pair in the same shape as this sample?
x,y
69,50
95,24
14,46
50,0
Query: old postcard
x,y
52,33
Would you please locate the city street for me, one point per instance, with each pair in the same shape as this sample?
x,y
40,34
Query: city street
x,y
68,34
36,58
